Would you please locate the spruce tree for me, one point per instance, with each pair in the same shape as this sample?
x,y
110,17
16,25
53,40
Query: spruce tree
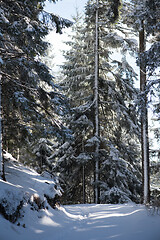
x,y
143,17
29,96
118,123
76,176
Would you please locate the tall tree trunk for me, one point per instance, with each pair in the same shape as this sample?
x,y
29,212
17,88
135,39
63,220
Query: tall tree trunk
x,y
83,176
96,93
1,157
18,154
144,120
2,172
84,184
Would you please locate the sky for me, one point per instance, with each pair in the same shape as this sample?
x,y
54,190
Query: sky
x,y
65,9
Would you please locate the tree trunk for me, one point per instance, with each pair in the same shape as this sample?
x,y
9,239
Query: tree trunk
x,y
1,157
144,120
96,93
18,153
83,176
2,171
84,185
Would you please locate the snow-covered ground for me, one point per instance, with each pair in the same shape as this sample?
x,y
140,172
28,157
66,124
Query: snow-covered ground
x,y
84,222
74,222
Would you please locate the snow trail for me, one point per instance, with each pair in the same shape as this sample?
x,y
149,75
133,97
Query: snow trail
x,y
87,222
71,222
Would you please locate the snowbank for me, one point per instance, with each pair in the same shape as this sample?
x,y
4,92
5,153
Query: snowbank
x,y
21,185
87,222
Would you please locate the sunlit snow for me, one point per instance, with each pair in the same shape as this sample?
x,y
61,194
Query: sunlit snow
x,y
71,222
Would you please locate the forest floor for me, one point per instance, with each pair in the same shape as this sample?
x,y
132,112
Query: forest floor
x,y
85,222
73,222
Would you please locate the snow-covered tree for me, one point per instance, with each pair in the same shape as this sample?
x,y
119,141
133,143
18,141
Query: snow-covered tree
x,y
143,17
29,96
118,123
43,150
152,56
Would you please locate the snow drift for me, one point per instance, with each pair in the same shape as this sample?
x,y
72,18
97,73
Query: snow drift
x,y
77,222
23,186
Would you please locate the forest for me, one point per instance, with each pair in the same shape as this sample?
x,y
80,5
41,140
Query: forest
x,y
88,128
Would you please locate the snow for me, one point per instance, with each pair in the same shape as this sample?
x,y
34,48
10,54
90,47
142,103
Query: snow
x,y
24,180
77,222
3,17
29,28
1,61
92,141
83,157
88,222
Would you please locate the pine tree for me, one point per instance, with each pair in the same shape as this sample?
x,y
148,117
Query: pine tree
x,y
28,90
76,158
152,27
118,123
152,57
143,17
23,75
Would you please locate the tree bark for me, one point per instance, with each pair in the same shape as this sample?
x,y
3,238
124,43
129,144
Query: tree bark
x,y
144,120
96,94
2,170
83,177
1,157
84,185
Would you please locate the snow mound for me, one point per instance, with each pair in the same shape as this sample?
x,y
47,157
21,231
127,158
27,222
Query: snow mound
x,y
24,188
21,185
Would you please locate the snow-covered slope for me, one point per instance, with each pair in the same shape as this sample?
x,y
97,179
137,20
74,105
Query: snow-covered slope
x,y
78,222
22,186
23,179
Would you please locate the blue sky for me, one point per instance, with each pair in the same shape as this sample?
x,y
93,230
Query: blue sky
x,y
65,8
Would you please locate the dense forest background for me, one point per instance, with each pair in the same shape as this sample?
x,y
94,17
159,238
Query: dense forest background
x,y
88,128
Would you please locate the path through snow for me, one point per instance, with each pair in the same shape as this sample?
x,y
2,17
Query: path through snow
x,y
85,222
74,222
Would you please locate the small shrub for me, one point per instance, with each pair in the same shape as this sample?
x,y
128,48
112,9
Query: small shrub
x,y
36,202
9,212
